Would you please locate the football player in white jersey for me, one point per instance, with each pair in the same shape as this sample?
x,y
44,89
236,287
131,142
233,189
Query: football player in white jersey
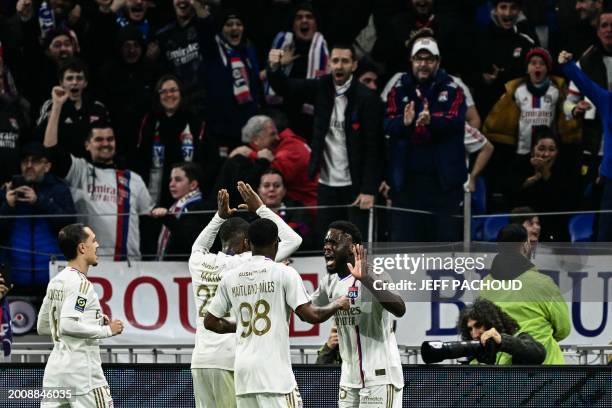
x,y
262,294
212,363
371,374
71,314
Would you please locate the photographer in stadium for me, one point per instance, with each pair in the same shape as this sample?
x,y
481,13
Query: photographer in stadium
x,y
490,336
485,321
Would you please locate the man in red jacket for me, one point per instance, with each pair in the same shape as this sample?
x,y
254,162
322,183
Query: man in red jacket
x,y
286,152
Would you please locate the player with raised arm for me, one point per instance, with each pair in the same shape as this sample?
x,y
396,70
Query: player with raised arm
x,y
371,374
262,293
71,314
212,363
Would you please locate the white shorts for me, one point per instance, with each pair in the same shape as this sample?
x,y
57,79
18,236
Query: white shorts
x,y
97,398
378,396
213,387
268,400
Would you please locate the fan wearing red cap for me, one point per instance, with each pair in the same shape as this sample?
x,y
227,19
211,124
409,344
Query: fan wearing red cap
x,y
539,65
530,102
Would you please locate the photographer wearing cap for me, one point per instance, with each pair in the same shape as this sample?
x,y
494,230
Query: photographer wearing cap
x,y
34,192
485,321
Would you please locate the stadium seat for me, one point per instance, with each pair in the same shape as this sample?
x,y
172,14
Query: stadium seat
x,y
581,227
479,206
492,226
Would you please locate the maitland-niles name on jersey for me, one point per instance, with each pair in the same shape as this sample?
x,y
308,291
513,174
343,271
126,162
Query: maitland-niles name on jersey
x,y
253,289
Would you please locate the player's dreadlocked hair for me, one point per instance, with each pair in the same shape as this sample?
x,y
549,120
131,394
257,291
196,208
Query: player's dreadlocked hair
x,y
487,314
348,228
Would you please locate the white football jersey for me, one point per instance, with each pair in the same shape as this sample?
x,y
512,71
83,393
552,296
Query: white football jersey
x,y
365,335
261,294
75,361
214,350
535,111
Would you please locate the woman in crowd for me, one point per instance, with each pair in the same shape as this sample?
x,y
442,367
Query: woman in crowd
x,y
171,133
541,182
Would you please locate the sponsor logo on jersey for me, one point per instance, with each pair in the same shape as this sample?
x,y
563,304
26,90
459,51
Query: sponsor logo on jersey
x,y
80,304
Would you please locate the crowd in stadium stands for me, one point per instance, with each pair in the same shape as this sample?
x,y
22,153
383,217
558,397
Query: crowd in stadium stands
x,y
130,114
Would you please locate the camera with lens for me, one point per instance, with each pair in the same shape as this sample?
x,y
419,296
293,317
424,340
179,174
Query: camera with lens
x,y
436,351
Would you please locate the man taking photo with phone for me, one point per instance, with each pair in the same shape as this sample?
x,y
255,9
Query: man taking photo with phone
x,y
38,193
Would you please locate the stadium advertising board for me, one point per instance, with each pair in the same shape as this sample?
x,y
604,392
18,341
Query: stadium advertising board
x,y
155,300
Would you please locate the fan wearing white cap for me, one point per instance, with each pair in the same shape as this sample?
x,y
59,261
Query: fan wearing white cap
x,y
425,119
425,58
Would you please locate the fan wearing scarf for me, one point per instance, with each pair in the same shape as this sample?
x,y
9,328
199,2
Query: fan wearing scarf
x,y
307,57
170,134
180,227
232,81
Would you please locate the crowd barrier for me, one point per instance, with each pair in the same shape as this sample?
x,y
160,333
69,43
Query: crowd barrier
x,y
379,222
300,354
170,386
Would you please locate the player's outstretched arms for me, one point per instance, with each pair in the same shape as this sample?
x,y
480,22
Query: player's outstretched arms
x,y
218,324
315,314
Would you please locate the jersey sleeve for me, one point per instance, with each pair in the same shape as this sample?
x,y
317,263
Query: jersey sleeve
x,y
79,293
221,303
43,325
290,241
143,198
78,168
76,298
473,139
295,292
320,296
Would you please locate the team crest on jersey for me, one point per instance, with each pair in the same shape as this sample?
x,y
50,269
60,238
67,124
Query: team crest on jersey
x,y
80,304
353,292
547,99
517,52
443,97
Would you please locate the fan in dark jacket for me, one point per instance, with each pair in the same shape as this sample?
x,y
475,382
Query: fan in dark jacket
x,y
33,240
180,228
347,135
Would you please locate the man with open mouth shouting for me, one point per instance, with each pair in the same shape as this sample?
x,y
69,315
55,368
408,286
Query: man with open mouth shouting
x,y
371,373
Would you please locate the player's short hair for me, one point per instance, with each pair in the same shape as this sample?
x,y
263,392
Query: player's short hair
x,y
69,239
348,228
263,232
233,229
